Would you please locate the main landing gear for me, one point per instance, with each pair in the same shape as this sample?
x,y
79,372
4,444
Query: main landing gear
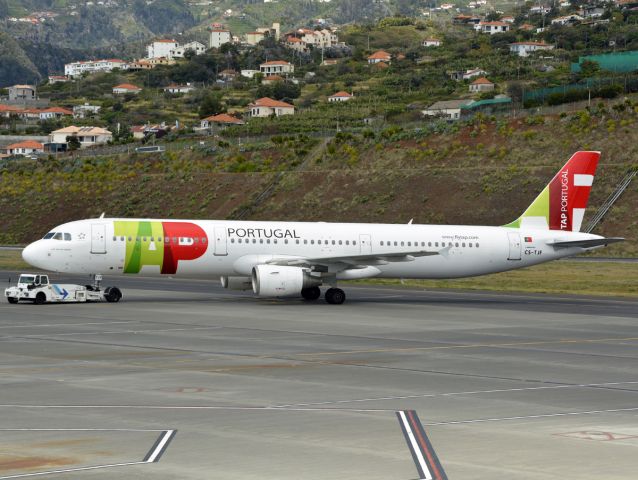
x,y
335,296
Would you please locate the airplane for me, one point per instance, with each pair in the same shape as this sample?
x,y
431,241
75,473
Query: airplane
x,y
279,259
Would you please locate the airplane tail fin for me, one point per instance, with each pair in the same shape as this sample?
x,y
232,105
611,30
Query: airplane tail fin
x,y
562,203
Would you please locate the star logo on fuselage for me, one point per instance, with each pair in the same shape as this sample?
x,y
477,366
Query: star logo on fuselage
x,y
81,236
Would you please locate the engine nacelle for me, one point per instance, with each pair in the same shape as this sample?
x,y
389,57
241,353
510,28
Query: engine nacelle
x,y
237,283
277,281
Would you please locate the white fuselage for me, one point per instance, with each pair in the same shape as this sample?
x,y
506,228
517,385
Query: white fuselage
x,y
233,248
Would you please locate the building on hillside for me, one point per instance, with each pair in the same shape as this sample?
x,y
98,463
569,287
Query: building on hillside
x,y
228,75
219,37
508,19
461,75
296,44
87,136
53,79
523,49
567,20
22,93
76,69
270,79
540,10
221,120
253,38
176,89
195,47
265,107
54,112
431,42
450,109
493,27
161,48
323,38
86,110
247,73
379,56
276,67
341,96
8,111
27,147
481,85
124,88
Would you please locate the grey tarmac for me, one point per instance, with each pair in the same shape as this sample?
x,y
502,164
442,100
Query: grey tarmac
x,y
506,385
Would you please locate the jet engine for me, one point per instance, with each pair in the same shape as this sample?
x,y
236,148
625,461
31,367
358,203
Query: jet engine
x,y
237,283
278,281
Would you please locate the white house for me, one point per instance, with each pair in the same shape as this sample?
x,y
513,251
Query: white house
x,y
492,27
26,147
296,44
523,49
54,112
431,42
124,88
265,107
379,56
567,19
53,79
174,88
340,97
161,48
75,69
221,120
22,93
219,36
450,109
276,67
86,110
481,85
179,51
248,73
88,136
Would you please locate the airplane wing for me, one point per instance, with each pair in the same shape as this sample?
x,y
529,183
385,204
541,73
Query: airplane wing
x,y
596,242
352,261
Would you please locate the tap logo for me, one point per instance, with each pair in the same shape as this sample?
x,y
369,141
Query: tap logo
x,y
160,243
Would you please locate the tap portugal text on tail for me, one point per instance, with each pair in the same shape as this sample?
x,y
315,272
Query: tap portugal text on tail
x,y
296,258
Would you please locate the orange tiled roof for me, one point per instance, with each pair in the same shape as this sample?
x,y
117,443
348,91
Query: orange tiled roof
x,y
223,118
482,81
25,144
380,55
269,102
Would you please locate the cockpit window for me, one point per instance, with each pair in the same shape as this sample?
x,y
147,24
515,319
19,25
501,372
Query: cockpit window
x,y
57,236
48,235
67,237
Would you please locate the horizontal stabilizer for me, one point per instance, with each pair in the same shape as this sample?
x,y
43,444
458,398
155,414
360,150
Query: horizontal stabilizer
x,y
596,242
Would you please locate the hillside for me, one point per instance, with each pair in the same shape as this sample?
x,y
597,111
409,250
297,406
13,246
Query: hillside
x,y
484,172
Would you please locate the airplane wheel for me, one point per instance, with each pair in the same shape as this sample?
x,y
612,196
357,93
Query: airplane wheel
x,y
311,293
112,294
40,298
12,300
335,296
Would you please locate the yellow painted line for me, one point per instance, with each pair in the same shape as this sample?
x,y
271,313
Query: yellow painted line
x,y
476,345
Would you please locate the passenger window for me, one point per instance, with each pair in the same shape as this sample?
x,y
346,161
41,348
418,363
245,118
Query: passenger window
x,y
143,239
401,243
429,244
286,241
347,242
130,239
340,242
463,244
305,242
232,240
456,244
381,243
354,242
168,240
254,240
297,242
275,241
196,239
114,239
436,244
268,241
470,244
477,245
121,239
312,242
409,244
333,242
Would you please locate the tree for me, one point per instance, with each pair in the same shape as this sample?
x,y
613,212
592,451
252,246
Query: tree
x,y
211,105
589,68
73,142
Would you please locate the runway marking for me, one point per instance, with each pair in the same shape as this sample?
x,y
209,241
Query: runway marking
x,y
531,417
427,463
199,407
450,394
474,345
153,456
69,324
44,336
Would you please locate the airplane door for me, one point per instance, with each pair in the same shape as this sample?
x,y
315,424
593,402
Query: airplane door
x,y
365,244
220,241
515,246
98,238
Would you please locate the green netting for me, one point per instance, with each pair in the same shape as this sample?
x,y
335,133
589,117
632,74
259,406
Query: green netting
x,y
621,62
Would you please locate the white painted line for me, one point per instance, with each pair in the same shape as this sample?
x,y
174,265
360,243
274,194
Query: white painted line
x,y
80,430
67,470
450,394
69,324
199,407
415,447
160,446
532,417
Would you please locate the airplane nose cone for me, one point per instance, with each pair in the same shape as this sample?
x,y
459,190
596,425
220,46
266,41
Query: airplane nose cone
x,y
33,253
